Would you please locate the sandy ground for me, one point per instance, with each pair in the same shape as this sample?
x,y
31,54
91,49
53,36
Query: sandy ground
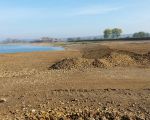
x,y
27,85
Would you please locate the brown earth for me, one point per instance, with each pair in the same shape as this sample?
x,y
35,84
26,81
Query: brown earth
x,y
30,90
103,57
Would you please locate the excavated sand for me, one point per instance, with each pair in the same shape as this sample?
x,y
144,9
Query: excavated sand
x,y
69,63
103,60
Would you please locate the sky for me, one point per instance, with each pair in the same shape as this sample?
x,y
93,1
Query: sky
x,y
71,18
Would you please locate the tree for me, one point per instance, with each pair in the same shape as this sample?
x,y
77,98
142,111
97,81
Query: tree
x,y
141,35
116,32
112,33
108,33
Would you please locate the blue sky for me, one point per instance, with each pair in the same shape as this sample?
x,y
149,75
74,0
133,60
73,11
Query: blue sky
x,y
71,18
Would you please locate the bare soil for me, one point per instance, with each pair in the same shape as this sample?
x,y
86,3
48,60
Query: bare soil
x,y
29,89
103,57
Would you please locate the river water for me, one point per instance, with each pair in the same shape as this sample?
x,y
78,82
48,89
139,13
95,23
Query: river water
x,y
13,48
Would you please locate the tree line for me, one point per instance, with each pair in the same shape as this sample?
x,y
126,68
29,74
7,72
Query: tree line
x,y
112,33
116,33
141,35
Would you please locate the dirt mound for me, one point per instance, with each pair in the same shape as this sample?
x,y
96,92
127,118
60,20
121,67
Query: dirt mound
x,y
139,58
111,61
103,57
101,51
117,59
96,52
70,63
114,57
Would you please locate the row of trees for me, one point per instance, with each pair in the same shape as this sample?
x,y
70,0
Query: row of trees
x,y
141,35
112,33
116,33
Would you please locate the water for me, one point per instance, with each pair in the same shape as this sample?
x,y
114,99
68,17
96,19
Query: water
x,y
7,48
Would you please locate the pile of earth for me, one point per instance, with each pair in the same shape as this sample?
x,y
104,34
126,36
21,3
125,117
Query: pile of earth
x,y
101,51
69,63
103,57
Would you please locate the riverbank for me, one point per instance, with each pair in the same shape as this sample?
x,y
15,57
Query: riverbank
x,y
29,88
